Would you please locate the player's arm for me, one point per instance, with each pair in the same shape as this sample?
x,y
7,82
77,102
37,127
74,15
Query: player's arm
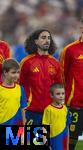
x,y
7,52
45,121
65,59
58,76
23,73
23,104
46,117
23,116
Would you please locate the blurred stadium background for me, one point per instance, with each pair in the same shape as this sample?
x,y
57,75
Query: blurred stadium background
x,y
18,18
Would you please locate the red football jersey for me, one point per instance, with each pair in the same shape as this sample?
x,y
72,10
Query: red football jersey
x,y
72,64
37,74
4,53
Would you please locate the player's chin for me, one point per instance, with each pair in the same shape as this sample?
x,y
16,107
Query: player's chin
x,y
45,48
61,101
15,80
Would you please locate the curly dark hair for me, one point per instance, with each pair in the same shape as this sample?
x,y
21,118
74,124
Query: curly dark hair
x,y
31,47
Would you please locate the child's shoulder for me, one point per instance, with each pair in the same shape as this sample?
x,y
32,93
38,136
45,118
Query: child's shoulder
x,y
65,107
48,107
18,86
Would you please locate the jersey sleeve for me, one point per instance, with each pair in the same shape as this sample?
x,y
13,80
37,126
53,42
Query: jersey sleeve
x,y
23,101
7,53
24,76
65,59
46,117
4,51
23,73
58,77
4,54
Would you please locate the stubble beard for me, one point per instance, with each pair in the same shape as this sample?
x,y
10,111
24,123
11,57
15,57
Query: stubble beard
x,y
44,48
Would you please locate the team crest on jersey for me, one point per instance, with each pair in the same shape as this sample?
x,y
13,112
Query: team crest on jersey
x,y
72,127
51,69
1,59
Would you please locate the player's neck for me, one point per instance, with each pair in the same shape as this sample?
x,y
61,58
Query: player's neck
x,y
8,84
40,52
56,104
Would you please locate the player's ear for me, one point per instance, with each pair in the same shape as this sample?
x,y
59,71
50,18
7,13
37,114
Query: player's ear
x,y
4,72
51,95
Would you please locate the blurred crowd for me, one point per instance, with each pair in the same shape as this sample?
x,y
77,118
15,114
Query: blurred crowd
x,y
20,17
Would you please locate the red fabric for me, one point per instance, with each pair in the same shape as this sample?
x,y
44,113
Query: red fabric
x,y
73,73
65,143
37,74
19,123
4,53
